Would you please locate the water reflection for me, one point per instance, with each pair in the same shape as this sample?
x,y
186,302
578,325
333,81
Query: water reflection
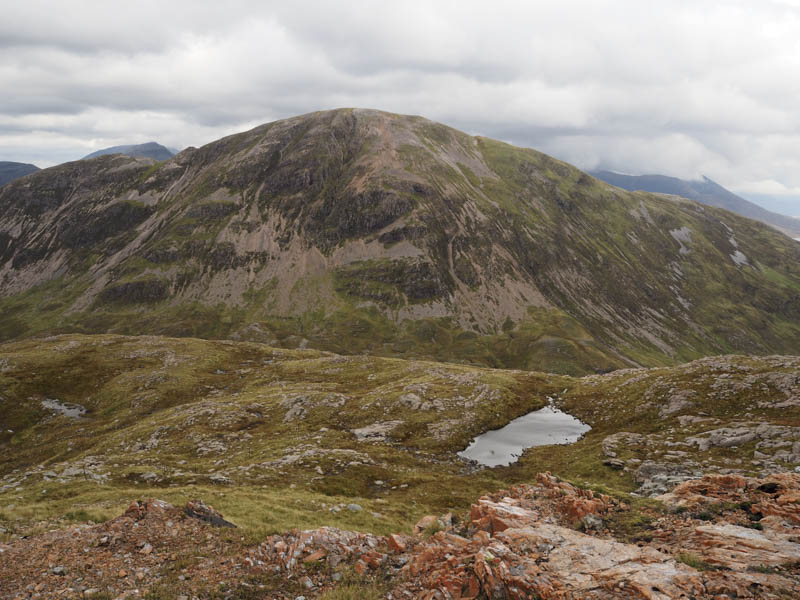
x,y
545,426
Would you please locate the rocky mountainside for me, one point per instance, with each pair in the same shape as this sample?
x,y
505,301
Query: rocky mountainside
x,y
359,231
705,191
680,487
148,150
9,171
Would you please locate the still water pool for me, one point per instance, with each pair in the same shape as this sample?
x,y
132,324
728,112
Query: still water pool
x,y
541,427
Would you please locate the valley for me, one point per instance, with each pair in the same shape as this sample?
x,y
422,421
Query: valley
x,y
400,300
253,370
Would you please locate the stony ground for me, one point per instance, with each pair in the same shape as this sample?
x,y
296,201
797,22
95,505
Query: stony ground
x,y
715,537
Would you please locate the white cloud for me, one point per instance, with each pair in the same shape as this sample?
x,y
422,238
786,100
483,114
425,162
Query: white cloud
x,y
768,186
680,88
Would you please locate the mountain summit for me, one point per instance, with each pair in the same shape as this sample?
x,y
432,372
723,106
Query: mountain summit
x,y
357,230
148,150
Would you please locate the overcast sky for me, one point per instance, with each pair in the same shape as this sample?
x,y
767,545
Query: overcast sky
x,y
673,87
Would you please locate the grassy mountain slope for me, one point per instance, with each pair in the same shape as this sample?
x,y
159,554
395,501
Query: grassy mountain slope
x,y
276,438
705,191
359,231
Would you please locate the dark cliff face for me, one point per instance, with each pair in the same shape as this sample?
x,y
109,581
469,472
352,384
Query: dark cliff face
x,y
361,231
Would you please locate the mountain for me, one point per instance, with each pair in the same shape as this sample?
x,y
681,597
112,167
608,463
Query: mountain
x,y
784,205
359,231
148,150
9,171
705,191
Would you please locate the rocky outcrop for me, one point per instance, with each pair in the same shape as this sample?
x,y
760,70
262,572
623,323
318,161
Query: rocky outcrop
x,y
515,545
658,477
134,551
550,540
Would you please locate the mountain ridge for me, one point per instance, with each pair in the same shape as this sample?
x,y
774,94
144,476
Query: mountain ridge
x,y
152,150
356,231
705,191
9,171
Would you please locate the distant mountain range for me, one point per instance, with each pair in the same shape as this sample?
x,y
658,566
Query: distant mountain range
x,y
9,171
148,150
705,191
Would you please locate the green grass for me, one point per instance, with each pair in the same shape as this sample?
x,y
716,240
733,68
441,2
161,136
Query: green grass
x,y
635,524
694,561
354,591
82,516
186,409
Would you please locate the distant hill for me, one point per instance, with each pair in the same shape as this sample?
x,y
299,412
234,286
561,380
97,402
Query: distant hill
x,y
705,191
9,171
148,150
783,205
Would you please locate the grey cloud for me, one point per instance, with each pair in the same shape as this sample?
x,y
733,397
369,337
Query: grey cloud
x,y
679,88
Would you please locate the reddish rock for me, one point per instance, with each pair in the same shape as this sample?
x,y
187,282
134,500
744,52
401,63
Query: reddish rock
x,y
152,507
451,539
515,544
361,568
424,523
473,587
498,524
481,537
373,559
740,548
315,556
396,543
475,512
